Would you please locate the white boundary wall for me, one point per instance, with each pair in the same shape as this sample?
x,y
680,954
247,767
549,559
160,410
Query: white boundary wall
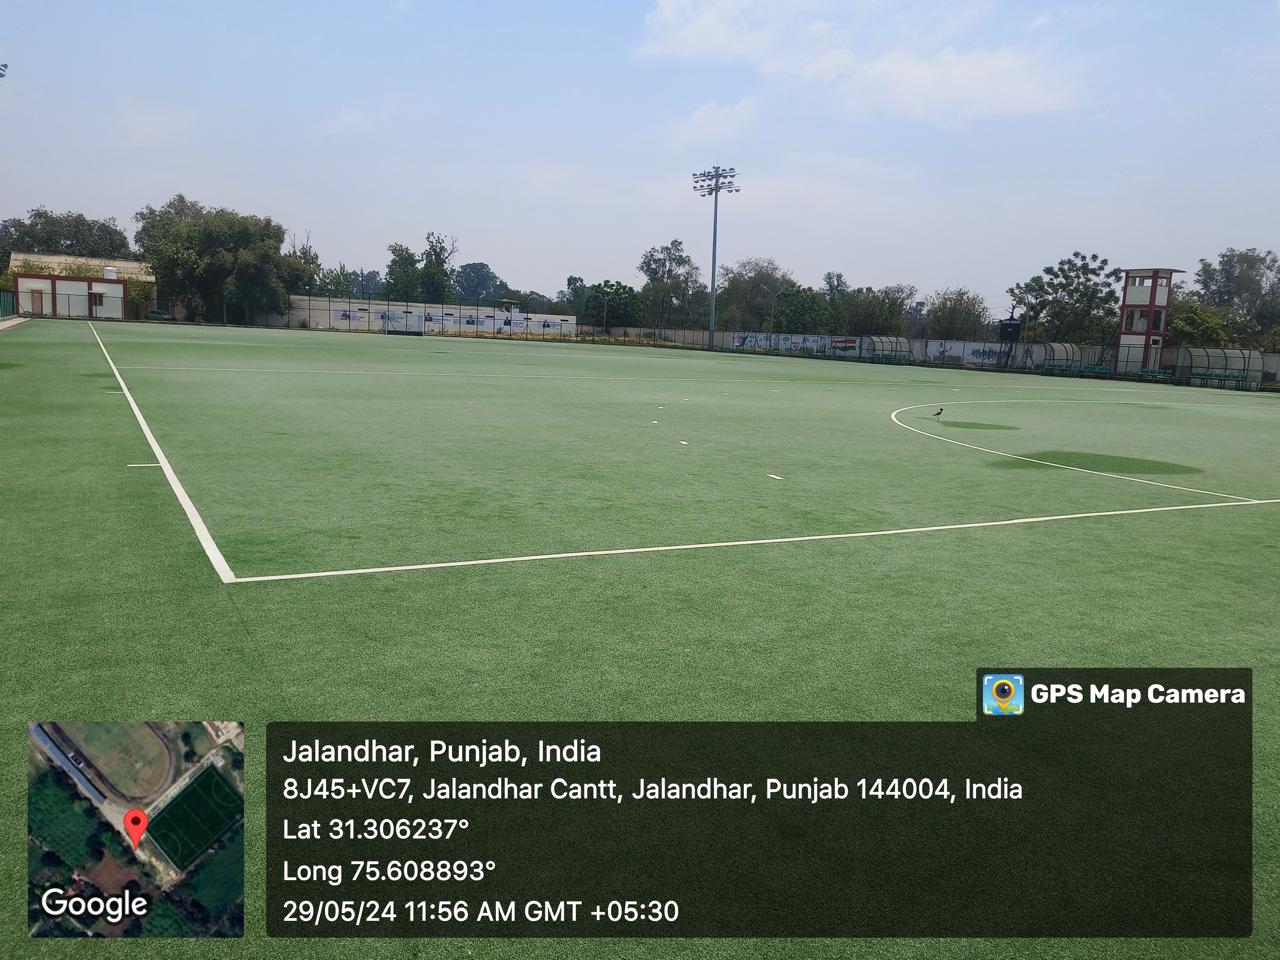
x,y
390,316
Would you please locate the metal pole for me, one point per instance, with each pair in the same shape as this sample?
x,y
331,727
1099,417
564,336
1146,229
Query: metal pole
x,y
715,229
711,183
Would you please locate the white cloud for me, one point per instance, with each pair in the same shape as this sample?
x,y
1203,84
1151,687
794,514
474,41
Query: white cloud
x,y
723,29
910,60
711,122
949,86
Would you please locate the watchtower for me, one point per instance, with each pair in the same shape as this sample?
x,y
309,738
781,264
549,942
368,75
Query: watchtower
x,y
1144,318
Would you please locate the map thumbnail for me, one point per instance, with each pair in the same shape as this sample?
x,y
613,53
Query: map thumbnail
x,y
135,829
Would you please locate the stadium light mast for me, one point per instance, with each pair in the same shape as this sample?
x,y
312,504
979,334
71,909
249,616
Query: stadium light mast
x,y
711,183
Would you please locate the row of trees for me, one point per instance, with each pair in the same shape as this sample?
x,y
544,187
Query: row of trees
x,y
1233,300
222,264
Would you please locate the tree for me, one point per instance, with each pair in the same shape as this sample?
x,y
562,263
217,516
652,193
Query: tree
x,y
1245,284
802,310
424,277
671,277
1074,302
336,282
866,311
612,304
574,295
368,285
437,280
403,276
834,285
154,225
69,233
957,314
1194,323
301,268
531,300
748,297
477,281
1241,280
214,260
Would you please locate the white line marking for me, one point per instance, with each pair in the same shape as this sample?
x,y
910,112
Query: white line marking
x,y
684,443
773,476
193,515
507,376
639,379
655,421
1049,463
744,543
142,464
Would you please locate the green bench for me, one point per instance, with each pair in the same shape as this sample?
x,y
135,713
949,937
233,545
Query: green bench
x,y
1154,374
951,360
890,358
1239,376
1095,370
1056,368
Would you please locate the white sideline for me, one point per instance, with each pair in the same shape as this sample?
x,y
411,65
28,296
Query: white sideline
x,y
507,376
1049,463
553,376
743,543
193,515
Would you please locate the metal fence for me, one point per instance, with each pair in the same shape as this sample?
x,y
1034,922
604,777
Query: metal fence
x,y
1238,369
77,306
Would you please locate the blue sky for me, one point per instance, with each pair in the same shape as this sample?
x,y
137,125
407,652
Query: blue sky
x,y
938,144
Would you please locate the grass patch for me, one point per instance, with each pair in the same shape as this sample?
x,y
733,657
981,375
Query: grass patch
x,y
219,880
131,755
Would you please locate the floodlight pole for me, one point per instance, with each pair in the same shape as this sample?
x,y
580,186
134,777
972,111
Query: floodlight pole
x,y
715,231
710,183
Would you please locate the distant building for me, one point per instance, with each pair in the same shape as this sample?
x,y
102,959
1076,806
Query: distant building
x,y
65,265
59,285
49,295
58,756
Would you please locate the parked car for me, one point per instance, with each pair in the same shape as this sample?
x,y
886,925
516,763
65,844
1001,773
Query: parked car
x,y
159,315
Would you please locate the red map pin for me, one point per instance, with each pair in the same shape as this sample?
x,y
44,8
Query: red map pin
x,y
135,824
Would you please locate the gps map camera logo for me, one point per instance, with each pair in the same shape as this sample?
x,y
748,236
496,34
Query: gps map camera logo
x,y
1002,694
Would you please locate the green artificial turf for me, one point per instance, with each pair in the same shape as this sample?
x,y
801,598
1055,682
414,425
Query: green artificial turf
x,y
310,451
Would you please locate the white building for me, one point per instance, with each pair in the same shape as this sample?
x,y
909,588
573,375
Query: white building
x,y
49,295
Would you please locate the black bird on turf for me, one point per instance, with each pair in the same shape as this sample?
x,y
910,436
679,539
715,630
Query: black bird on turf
x,y
938,415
